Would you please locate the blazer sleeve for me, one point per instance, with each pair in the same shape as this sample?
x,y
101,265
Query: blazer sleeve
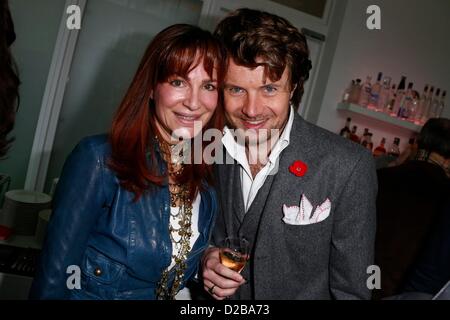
x,y
78,202
353,236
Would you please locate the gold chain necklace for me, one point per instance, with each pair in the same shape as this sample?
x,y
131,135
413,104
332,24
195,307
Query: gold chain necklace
x,y
179,196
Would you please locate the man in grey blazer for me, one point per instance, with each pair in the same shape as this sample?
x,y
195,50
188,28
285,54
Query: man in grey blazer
x,y
307,203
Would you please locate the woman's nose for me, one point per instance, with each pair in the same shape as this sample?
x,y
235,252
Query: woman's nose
x,y
192,99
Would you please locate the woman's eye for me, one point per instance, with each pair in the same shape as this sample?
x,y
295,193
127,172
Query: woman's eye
x,y
176,83
210,87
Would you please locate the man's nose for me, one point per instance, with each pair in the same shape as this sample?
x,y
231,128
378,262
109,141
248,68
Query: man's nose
x,y
252,106
191,100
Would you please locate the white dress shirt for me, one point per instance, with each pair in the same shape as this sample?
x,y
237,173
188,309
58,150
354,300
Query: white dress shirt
x,y
249,185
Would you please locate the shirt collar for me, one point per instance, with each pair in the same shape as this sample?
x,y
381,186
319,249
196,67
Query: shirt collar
x,y
284,139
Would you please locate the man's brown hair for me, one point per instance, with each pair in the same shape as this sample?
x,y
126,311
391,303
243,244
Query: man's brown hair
x,y
251,35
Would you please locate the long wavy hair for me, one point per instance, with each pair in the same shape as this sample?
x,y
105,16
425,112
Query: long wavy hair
x,y
9,79
173,51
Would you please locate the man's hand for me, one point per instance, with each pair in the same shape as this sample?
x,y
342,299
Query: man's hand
x,y
220,281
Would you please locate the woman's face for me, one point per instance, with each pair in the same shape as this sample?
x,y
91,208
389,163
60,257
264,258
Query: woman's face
x,y
182,102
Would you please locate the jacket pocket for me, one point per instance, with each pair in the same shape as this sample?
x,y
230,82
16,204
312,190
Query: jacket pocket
x,y
102,275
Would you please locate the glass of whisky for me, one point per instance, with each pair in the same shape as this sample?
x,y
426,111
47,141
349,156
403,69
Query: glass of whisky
x,y
234,253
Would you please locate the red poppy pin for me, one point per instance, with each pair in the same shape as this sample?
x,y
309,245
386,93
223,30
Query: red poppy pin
x,y
298,168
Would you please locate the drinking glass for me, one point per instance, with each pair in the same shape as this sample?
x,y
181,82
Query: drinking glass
x,y
234,253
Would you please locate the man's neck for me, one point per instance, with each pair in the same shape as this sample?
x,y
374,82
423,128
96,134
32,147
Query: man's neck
x,y
258,154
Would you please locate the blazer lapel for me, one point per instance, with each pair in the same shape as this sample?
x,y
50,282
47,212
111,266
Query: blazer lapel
x,y
287,188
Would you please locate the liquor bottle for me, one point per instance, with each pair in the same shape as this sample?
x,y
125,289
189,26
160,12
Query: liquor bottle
x,y
434,105
411,149
375,93
427,106
394,149
366,139
400,95
345,131
353,136
369,144
384,94
363,138
355,92
422,106
347,91
405,106
389,109
441,105
365,92
414,106
380,150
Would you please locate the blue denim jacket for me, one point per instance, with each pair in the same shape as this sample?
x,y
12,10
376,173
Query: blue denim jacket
x,y
120,246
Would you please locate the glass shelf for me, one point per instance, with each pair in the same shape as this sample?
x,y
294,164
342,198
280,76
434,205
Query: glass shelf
x,y
379,116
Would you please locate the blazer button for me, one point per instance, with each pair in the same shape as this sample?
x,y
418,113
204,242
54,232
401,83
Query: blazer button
x,y
98,272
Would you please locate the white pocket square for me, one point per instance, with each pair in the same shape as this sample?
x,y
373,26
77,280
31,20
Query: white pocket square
x,y
303,215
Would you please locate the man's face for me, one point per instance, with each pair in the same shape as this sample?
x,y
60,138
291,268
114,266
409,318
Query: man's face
x,y
255,102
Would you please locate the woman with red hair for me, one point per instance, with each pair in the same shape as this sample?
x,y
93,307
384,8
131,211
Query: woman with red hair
x,y
131,217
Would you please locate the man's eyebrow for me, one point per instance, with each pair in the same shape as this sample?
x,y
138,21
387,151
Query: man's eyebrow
x,y
272,84
228,84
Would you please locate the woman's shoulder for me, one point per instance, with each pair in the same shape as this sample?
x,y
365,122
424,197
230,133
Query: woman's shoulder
x,y
97,145
92,154
99,141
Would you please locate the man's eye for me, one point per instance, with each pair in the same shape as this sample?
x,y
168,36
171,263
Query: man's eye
x,y
210,87
270,89
176,83
236,90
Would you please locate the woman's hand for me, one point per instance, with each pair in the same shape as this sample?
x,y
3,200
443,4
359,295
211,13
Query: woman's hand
x,y
220,281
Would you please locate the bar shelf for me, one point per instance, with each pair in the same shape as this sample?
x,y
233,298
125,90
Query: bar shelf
x,y
381,116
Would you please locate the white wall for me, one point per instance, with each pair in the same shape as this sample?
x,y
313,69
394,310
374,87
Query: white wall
x,y
413,41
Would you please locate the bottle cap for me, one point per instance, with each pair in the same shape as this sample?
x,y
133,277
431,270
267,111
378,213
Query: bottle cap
x,y
380,75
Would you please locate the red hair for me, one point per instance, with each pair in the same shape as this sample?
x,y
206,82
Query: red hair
x,y
173,51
